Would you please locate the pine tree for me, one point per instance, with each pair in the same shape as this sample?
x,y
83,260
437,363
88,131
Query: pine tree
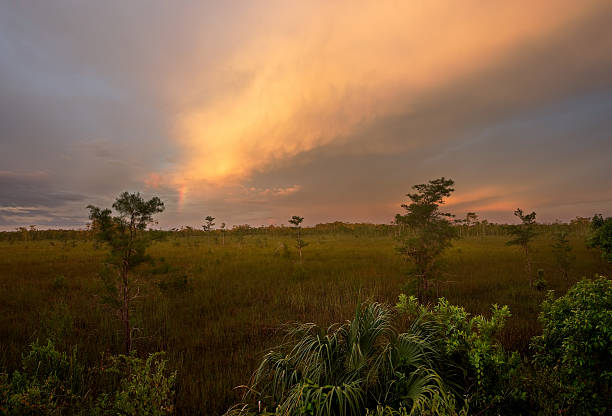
x,y
299,243
128,240
523,234
431,230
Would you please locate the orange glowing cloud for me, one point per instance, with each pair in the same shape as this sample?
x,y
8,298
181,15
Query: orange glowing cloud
x,y
313,74
488,199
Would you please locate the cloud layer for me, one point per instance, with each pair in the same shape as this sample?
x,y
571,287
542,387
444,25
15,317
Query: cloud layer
x,y
255,112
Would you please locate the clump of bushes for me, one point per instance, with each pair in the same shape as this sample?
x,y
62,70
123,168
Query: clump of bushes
x,y
144,387
414,359
348,368
444,362
574,353
51,382
470,357
601,236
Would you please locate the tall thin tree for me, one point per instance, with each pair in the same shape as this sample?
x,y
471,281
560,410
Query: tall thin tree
x,y
563,253
127,236
430,230
222,227
296,222
208,226
523,235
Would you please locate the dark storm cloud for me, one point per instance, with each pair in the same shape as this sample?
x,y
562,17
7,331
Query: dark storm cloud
x,y
14,217
30,198
29,189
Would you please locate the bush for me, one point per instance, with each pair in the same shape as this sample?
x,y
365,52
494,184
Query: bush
x,y
55,383
601,236
144,387
348,368
49,383
472,360
575,348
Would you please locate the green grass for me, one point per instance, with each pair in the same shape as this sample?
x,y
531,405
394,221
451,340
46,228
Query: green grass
x,y
216,326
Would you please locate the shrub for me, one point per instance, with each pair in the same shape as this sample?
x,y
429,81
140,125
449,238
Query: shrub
x,y
441,403
575,348
55,383
48,383
540,283
601,236
471,358
348,368
145,388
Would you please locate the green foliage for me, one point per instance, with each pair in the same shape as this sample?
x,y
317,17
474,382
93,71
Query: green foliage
x,y
524,232
48,383
471,357
296,220
441,404
51,383
601,236
523,235
540,283
145,387
431,232
348,368
208,226
256,287
299,243
124,233
126,236
576,346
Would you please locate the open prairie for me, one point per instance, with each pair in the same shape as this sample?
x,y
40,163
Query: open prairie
x,y
306,208
216,308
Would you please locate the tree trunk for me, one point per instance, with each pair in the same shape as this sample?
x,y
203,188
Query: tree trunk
x,y
299,242
528,264
125,313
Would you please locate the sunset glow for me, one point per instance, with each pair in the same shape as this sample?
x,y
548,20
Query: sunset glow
x,y
318,75
259,110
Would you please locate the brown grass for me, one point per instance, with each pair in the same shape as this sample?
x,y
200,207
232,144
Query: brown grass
x,y
217,325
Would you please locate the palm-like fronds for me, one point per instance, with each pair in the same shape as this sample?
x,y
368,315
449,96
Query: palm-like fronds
x,y
308,398
346,368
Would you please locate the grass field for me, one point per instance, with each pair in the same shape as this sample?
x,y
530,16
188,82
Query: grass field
x,y
215,309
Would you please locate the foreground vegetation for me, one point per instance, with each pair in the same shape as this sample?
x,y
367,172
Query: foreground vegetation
x,y
216,308
444,362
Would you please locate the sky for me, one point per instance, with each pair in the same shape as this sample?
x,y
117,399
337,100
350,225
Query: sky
x,y
256,111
